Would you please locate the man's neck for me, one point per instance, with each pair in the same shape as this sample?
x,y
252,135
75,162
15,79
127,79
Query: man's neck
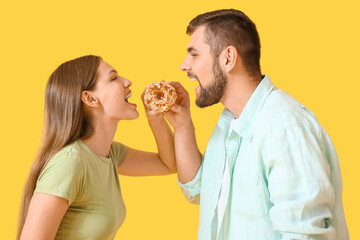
x,y
238,92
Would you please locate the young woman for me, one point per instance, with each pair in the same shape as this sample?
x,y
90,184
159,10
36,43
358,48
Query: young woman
x,y
73,189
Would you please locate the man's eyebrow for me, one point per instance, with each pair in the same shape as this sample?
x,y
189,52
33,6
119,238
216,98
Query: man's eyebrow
x,y
190,49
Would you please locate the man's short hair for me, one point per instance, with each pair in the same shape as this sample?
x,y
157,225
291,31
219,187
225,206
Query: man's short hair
x,y
230,27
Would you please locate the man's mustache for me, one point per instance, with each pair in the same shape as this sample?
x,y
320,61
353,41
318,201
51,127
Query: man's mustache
x,y
192,75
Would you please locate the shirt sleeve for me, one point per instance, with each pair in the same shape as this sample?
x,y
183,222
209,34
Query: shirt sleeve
x,y
299,185
118,152
62,177
191,189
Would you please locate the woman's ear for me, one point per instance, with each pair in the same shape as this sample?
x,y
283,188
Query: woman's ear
x,y
231,56
89,99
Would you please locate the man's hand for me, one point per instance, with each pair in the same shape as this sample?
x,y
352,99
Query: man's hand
x,y
179,115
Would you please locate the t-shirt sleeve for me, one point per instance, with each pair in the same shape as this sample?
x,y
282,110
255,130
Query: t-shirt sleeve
x,y
62,177
118,152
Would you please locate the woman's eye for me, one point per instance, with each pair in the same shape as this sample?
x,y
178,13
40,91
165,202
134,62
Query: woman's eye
x,y
114,78
193,55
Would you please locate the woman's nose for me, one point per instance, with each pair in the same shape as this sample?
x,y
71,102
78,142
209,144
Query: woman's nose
x,y
127,83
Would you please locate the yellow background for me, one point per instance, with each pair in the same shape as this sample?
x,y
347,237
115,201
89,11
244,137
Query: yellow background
x,y
309,49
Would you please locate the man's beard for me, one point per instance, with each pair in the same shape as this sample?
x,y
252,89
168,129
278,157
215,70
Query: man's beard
x,y
212,94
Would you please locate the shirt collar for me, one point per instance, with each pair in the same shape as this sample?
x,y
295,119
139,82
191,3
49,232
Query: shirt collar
x,y
247,121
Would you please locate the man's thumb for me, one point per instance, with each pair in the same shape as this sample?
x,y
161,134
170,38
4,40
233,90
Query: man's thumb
x,y
176,108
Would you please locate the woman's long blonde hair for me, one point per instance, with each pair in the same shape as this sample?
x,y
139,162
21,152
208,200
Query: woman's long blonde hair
x,y
65,119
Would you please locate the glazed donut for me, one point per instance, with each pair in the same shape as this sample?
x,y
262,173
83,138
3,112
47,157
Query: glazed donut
x,y
160,96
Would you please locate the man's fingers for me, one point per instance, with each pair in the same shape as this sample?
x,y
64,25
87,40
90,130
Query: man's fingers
x,y
178,87
176,108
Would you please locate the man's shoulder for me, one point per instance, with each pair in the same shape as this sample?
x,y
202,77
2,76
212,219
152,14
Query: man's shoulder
x,y
281,110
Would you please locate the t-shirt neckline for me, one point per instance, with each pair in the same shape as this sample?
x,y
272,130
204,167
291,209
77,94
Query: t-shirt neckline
x,y
104,159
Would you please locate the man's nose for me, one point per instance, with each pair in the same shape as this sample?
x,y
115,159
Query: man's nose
x,y
185,66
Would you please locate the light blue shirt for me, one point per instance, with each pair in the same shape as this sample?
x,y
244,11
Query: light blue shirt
x,y
284,178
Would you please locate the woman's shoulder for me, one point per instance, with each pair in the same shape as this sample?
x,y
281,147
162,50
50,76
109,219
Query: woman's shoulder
x,y
118,152
63,175
116,145
70,156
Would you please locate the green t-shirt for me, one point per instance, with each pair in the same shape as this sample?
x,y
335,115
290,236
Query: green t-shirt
x,y
91,185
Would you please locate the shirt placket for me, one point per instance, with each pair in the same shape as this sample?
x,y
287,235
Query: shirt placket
x,y
232,145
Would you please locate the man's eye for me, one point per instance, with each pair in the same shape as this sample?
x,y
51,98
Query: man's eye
x,y
193,54
114,78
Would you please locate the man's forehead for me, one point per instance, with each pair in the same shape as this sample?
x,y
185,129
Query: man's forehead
x,y
197,38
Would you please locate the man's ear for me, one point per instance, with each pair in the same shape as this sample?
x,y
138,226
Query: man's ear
x,y
230,57
89,99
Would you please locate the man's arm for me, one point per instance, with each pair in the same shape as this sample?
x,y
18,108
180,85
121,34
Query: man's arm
x,y
188,156
299,185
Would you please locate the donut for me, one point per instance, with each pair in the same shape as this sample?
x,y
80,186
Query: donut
x,y
160,96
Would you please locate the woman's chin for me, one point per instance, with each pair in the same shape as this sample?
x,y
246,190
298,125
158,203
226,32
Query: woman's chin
x,y
133,116
137,115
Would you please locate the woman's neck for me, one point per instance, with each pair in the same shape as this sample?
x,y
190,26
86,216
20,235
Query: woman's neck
x,y
100,141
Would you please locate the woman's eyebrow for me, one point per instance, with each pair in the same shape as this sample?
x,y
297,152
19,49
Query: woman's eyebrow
x,y
112,71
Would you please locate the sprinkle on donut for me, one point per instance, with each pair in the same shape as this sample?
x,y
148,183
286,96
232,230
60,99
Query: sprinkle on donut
x,y
160,96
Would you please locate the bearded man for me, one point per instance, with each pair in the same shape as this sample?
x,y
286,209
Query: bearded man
x,y
270,170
